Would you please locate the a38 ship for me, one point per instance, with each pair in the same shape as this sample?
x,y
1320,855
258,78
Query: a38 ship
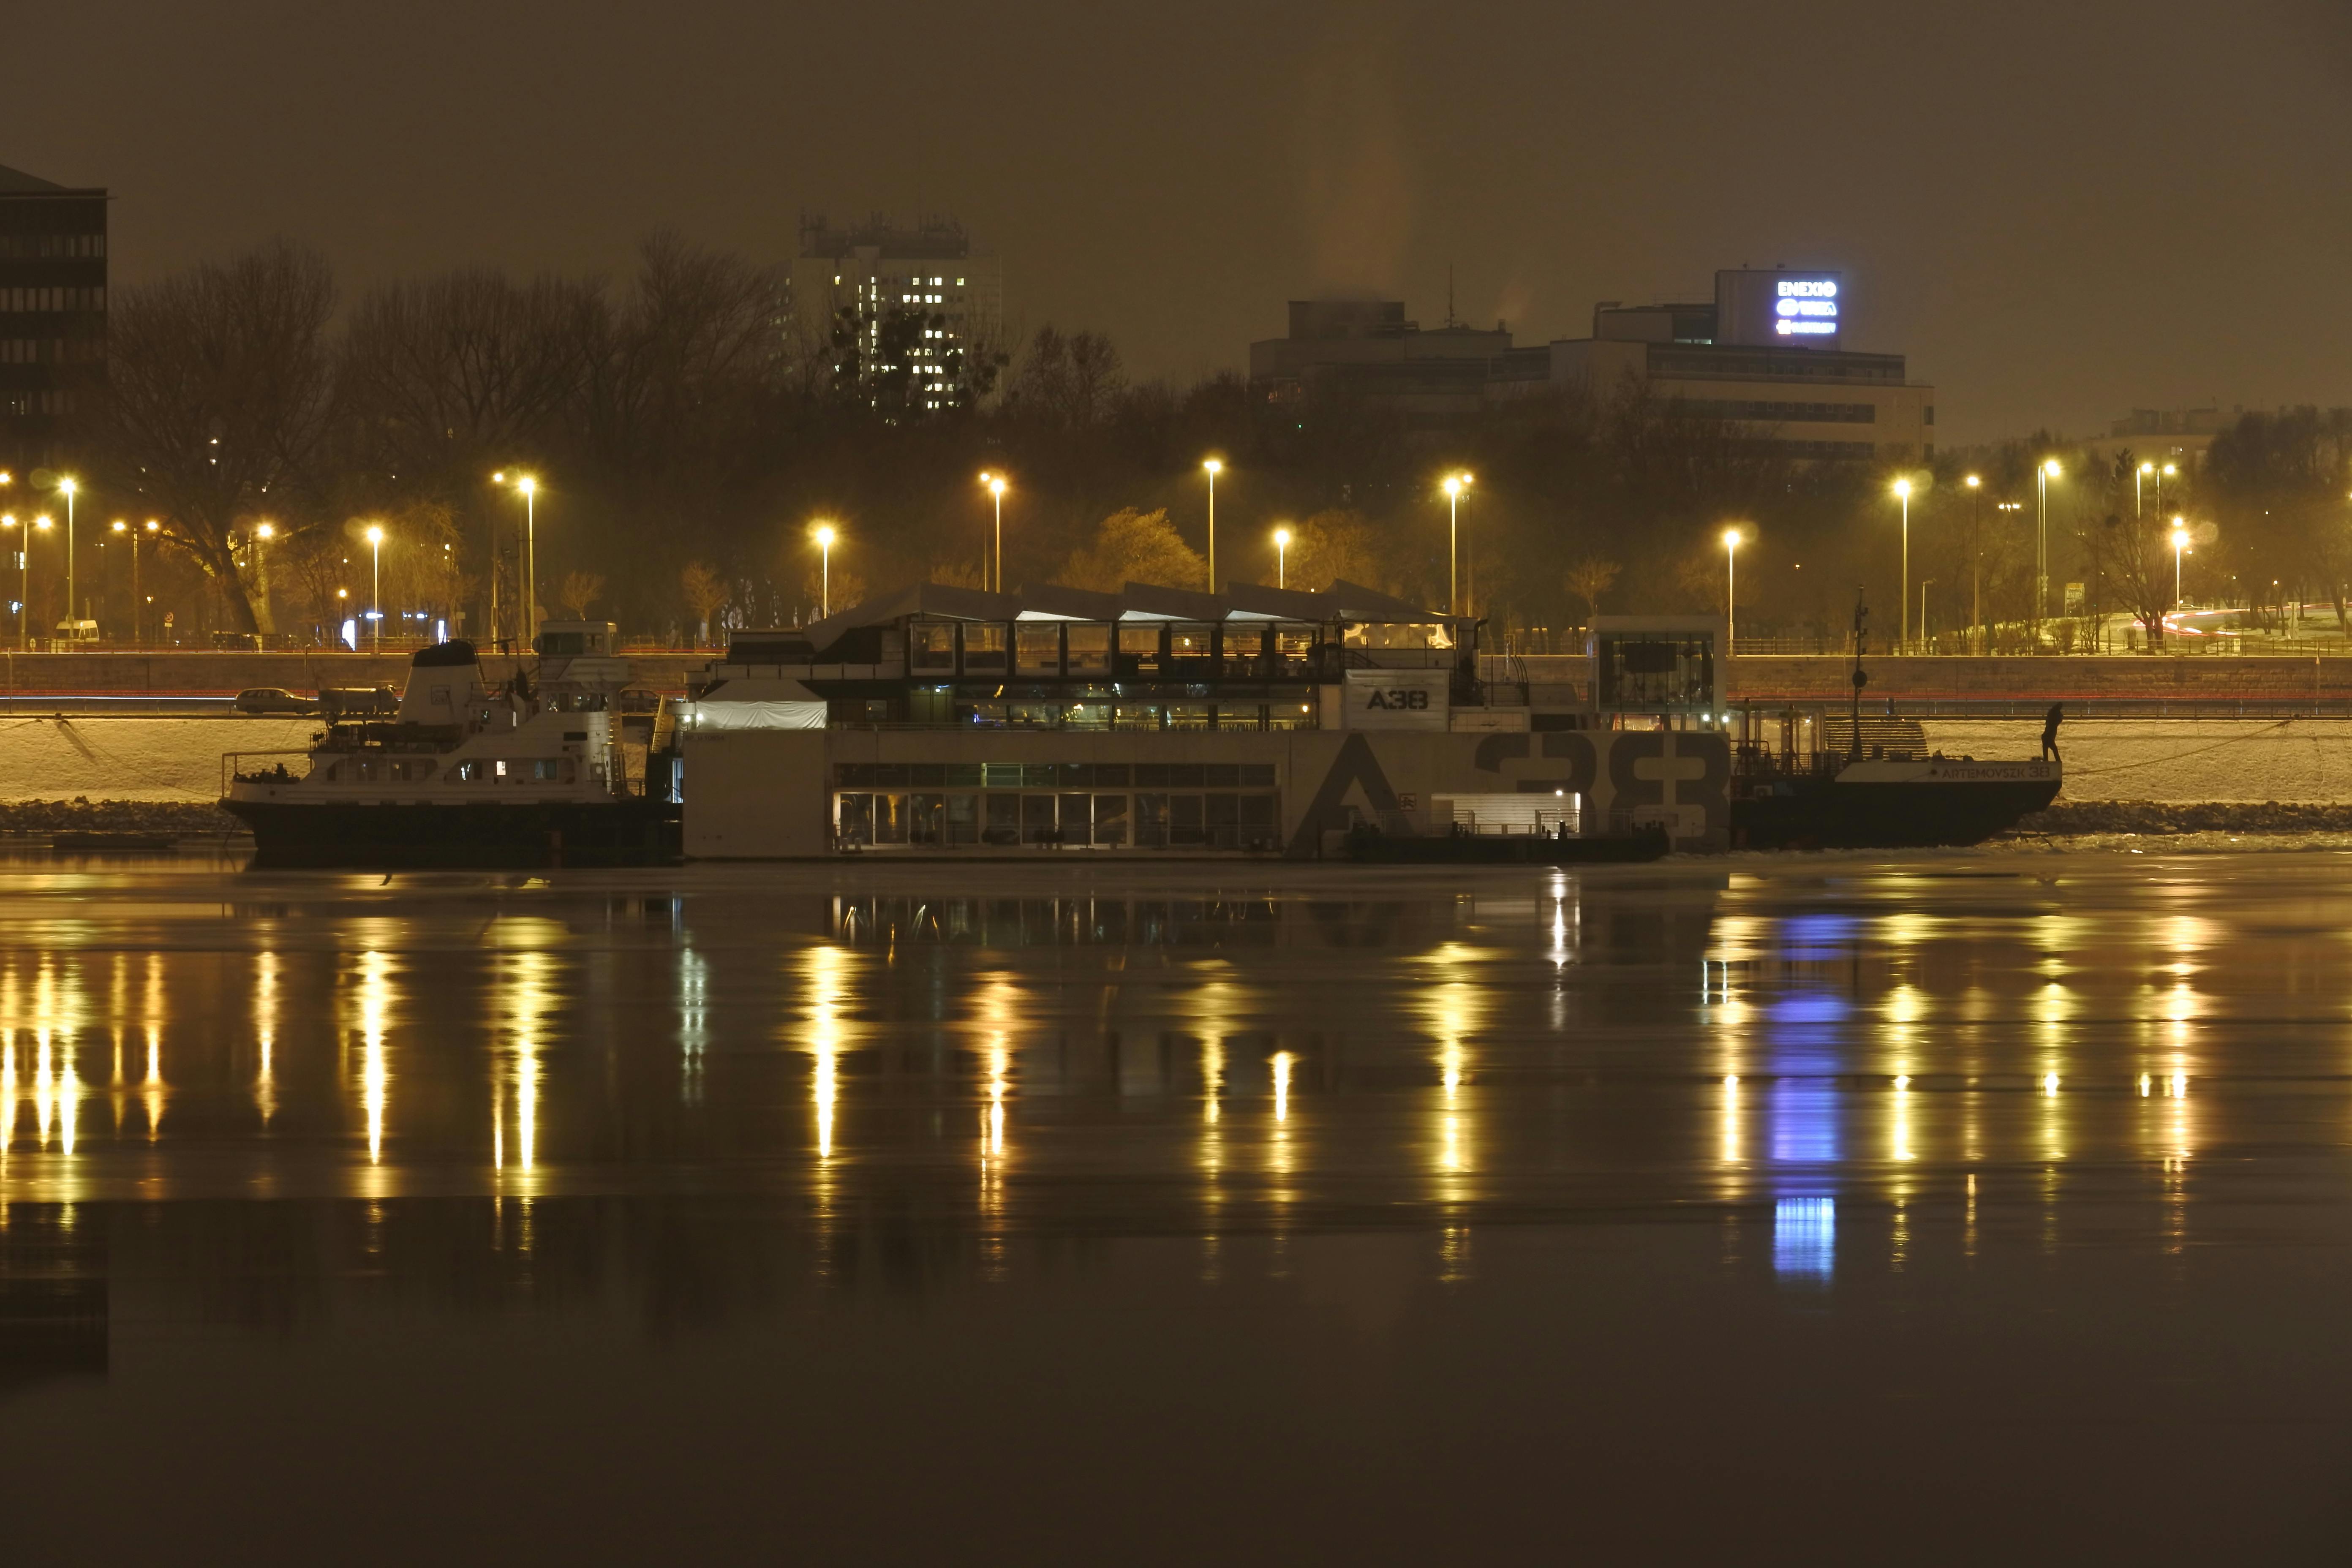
x,y
539,770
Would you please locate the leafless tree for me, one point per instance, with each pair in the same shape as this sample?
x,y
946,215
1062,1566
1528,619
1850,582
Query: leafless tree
x,y
1588,579
575,591
446,379
705,591
220,400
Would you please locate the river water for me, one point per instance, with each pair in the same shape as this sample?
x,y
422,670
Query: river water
x,y
1939,1208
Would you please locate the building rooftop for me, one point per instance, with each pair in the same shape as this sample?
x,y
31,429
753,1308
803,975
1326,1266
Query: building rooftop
x,y
1136,602
16,182
929,239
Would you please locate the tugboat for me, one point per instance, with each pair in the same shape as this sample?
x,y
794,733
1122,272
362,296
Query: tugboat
x,y
1891,799
531,772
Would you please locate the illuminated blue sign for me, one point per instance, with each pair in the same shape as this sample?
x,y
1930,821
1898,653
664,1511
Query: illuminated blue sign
x,y
1806,308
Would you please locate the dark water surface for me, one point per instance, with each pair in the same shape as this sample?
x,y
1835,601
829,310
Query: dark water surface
x,y
1941,1209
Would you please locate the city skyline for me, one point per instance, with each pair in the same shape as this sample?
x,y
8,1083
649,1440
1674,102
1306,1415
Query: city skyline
x,y
2035,216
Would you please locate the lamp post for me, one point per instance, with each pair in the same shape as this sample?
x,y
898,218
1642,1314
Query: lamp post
x,y
2180,544
1282,558
823,534
375,607
1903,494
24,558
530,488
1454,485
1213,468
997,489
1731,597
69,487
2048,471
262,533
25,589
1976,562
138,602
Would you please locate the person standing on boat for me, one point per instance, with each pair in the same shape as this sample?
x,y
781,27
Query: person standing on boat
x,y
2050,722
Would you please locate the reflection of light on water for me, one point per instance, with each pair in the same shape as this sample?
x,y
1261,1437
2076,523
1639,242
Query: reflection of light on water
x,y
45,1102
1730,1150
1567,924
375,995
1804,1239
693,1001
1902,1148
7,1090
1453,1255
530,997
151,1090
265,1021
2050,1084
1802,1037
1213,1078
826,970
1278,1146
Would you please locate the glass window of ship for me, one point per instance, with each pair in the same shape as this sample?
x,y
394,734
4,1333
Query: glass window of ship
x,y
1104,805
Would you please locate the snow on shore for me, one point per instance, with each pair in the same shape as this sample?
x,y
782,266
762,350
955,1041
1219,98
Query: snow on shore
x,y
133,759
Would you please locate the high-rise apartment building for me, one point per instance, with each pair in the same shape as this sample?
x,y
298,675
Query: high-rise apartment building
x,y
875,269
52,312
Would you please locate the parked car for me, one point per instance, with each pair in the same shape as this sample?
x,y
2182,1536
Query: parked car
x,y
273,700
237,642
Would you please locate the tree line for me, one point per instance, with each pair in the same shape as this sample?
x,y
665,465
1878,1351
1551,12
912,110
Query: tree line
x,y
683,442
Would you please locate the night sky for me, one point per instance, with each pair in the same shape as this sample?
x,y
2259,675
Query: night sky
x,y
2060,212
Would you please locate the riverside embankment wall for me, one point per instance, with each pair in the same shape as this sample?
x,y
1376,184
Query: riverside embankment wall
x,y
193,672
1553,679
2212,679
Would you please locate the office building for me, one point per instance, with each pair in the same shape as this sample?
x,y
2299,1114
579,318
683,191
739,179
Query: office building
x,y
52,312
877,267
1364,352
1766,354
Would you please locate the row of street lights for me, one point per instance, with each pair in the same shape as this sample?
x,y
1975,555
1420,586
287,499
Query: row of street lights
x,y
1453,485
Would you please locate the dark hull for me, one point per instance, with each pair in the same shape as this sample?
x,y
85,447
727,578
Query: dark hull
x,y
1825,814
1507,849
364,837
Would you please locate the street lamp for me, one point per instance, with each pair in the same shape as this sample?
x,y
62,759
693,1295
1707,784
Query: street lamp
x,y
995,483
823,534
1282,558
42,523
530,488
375,610
1903,494
1213,468
139,605
2049,470
2180,544
68,487
25,560
1976,561
1730,595
1454,485
263,533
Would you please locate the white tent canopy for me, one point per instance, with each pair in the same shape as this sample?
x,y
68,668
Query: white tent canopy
x,y
756,703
